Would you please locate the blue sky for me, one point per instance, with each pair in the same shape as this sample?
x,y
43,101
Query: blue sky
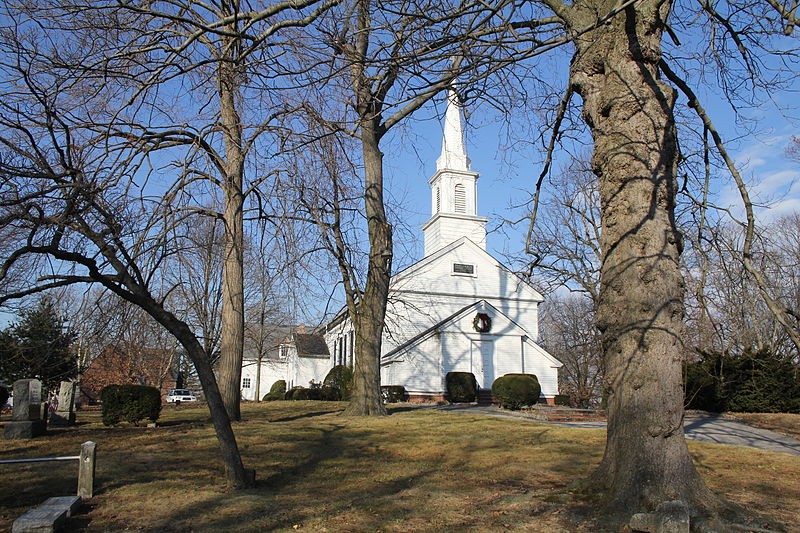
x,y
506,177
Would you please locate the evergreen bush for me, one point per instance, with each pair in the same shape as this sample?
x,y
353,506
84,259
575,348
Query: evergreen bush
x,y
562,400
330,394
131,403
462,387
393,393
340,379
513,391
755,381
276,392
300,393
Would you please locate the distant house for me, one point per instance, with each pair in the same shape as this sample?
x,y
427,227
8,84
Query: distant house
x,y
118,364
457,309
298,359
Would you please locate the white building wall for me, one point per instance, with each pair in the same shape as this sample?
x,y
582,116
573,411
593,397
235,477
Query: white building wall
x,y
458,348
306,369
542,367
419,371
424,296
271,371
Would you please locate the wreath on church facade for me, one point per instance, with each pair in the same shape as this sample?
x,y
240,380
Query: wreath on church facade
x,y
482,323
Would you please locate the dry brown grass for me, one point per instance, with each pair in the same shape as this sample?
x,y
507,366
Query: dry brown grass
x,y
416,470
784,423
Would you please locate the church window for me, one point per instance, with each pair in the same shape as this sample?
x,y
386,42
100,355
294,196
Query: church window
x,y
460,199
352,342
463,268
283,352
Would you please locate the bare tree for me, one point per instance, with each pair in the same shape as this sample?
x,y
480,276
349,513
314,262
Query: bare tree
x,y
729,313
569,333
221,66
567,233
72,210
197,276
387,60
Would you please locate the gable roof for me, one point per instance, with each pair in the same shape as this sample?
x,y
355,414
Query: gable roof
x,y
480,305
311,345
410,271
416,268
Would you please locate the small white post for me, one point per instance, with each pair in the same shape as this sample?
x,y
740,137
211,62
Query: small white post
x,y
86,470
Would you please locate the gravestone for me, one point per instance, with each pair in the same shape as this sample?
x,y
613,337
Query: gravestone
x,y
29,415
65,411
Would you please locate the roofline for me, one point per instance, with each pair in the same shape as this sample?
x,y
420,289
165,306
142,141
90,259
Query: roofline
x,y
431,330
455,244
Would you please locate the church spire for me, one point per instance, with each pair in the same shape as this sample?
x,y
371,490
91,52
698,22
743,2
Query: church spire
x,y
454,191
454,150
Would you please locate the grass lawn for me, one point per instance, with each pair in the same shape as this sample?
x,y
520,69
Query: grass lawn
x,y
416,470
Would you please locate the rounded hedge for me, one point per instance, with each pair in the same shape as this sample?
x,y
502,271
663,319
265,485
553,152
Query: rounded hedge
x,y
513,391
131,403
303,393
276,392
340,382
462,387
562,400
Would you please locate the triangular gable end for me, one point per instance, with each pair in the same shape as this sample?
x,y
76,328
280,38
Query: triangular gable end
x,y
466,251
500,321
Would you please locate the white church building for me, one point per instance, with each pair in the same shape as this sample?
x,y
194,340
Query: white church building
x,y
458,308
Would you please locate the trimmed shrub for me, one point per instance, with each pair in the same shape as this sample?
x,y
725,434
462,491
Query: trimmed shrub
x,y
131,403
329,394
393,393
513,391
3,396
340,379
276,392
562,400
300,393
462,387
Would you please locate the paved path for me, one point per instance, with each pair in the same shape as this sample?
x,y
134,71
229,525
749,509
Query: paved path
x,y
700,428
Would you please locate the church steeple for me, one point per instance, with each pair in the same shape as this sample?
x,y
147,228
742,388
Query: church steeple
x,y
453,188
454,150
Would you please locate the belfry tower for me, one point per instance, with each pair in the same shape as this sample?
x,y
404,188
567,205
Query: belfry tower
x,y
454,200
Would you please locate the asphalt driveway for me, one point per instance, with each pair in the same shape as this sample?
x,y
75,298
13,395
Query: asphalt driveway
x,y
705,428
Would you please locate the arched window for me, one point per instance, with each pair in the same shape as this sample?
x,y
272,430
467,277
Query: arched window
x,y
460,199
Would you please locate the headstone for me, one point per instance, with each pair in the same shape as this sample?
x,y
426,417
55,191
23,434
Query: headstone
x,y
27,394
65,412
29,415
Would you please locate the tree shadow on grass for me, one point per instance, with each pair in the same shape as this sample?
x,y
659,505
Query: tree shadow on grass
x,y
305,415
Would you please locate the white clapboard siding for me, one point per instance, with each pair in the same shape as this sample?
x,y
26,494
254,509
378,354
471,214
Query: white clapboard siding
x,y
271,371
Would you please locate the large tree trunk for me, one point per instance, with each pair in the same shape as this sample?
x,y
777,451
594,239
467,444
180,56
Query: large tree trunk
x,y
232,330
640,309
371,307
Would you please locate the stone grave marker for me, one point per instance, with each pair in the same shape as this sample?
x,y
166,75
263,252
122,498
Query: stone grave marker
x,y
65,411
29,415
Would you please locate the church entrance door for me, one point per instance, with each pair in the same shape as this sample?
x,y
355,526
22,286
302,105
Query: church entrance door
x,y
483,362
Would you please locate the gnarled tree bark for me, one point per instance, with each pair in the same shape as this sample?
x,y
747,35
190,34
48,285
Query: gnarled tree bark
x,y
629,111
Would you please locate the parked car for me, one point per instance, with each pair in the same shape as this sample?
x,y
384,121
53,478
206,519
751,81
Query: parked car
x,y
177,396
